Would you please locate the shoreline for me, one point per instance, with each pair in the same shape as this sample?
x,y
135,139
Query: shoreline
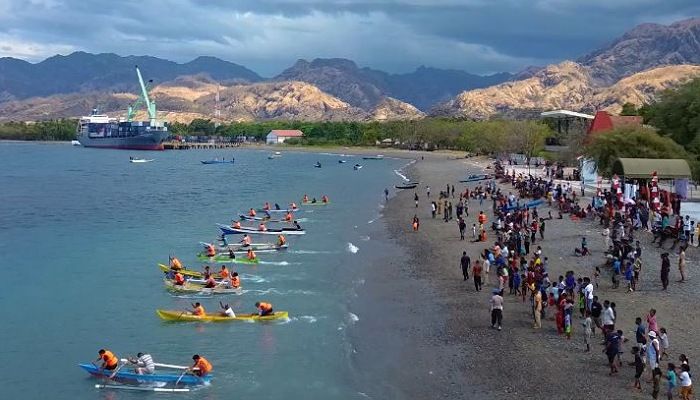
x,y
519,362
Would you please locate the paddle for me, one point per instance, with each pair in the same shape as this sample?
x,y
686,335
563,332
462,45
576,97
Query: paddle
x,y
117,370
181,376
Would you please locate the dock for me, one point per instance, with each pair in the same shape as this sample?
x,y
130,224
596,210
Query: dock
x,y
177,145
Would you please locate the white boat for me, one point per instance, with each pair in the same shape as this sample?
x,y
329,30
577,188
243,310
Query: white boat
x,y
139,160
75,143
357,167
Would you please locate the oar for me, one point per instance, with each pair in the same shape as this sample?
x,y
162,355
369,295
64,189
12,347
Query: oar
x,y
117,370
181,375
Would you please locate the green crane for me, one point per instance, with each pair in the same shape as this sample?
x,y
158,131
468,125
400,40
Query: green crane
x,y
150,105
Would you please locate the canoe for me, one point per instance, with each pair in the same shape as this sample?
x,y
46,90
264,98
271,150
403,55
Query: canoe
x,y
142,388
139,160
227,230
377,157
218,161
265,219
357,167
127,375
186,316
406,186
342,161
188,273
238,248
224,258
475,178
317,203
281,210
190,287
529,204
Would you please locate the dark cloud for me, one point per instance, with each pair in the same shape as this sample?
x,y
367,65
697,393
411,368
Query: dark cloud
x,y
268,35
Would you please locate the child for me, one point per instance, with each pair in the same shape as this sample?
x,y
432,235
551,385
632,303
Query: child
x,y
638,367
671,378
663,338
587,330
656,377
596,276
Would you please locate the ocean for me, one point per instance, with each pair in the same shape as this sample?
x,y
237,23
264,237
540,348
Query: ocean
x,y
81,233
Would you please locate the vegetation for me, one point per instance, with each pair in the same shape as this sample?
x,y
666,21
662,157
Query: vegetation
x,y
63,129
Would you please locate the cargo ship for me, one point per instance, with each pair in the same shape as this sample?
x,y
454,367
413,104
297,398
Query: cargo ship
x,y
99,130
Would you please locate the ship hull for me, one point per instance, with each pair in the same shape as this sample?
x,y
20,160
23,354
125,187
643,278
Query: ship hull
x,y
150,141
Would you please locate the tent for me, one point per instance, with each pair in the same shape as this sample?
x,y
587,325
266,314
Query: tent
x,y
642,168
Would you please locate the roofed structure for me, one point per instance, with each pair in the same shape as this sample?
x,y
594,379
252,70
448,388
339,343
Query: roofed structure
x,y
604,121
642,168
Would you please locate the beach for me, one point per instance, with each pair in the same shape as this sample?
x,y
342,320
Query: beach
x,y
451,352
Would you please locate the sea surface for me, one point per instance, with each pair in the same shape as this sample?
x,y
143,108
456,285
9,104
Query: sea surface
x,y
81,232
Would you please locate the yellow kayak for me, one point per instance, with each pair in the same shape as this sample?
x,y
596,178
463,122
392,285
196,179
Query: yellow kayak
x,y
191,287
176,315
188,272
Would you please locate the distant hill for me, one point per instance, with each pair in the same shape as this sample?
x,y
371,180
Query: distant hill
x,y
85,72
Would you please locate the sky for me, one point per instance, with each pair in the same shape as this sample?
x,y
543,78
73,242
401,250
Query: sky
x,y
267,36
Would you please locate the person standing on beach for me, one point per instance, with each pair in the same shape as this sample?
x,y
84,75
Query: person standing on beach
x,y
681,262
476,272
465,263
415,197
427,191
496,303
462,227
537,309
665,270
386,194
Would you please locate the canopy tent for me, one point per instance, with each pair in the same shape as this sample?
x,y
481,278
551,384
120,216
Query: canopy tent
x,y
642,168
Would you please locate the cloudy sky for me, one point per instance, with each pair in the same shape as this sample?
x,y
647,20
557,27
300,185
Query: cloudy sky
x,y
480,36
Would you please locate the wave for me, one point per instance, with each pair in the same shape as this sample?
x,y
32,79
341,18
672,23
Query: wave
x,y
278,263
397,172
352,248
311,252
365,238
275,291
352,318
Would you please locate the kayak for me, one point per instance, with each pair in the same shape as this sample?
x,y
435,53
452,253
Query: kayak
x,y
190,287
238,248
406,186
139,160
529,204
317,165
186,316
127,375
188,273
274,210
357,167
318,203
218,161
265,218
224,258
227,230
342,161
377,157
475,178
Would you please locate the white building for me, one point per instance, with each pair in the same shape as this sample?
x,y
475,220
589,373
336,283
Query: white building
x,y
277,136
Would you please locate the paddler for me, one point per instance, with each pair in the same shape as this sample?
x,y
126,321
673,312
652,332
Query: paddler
x,y
224,274
293,206
296,225
197,309
175,264
144,364
251,255
245,240
251,212
324,199
305,199
288,217
231,254
236,224
266,207
109,360
201,366
262,227
178,279
281,240
211,250
210,282
235,281
264,308
228,312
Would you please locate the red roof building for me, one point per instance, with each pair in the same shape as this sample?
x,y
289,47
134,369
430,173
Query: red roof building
x,y
277,136
604,121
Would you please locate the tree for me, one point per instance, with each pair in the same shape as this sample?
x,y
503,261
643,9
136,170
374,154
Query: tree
x,y
629,109
527,138
676,114
606,147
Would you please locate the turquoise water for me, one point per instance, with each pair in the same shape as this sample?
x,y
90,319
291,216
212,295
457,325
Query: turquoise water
x,y
81,232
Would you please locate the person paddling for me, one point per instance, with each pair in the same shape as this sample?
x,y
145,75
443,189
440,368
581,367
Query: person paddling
x,y
210,249
251,255
144,364
178,279
252,213
262,227
228,312
109,360
201,366
175,264
264,308
235,280
281,240
236,224
198,309
224,274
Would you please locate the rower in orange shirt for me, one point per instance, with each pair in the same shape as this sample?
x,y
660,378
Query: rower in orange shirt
x,y
201,366
262,227
175,264
197,309
251,212
251,255
264,308
236,224
179,279
109,360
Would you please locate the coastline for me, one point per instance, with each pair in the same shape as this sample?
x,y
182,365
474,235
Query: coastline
x,y
460,357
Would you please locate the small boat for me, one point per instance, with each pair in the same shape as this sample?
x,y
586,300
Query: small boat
x,y
224,258
377,157
529,204
139,160
264,218
342,161
188,273
257,247
227,230
411,185
279,210
186,316
317,165
357,167
315,203
217,161
75,143
142,388
129,376
192,287
475,178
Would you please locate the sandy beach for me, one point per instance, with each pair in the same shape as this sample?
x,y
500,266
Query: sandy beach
x,y
448,349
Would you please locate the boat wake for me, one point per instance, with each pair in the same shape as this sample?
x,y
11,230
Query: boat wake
x,y
365,238
352,248
398,172
253,278
277,263
275,291
352,318
310,252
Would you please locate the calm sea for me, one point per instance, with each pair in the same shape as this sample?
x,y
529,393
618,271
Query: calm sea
x,y
81,232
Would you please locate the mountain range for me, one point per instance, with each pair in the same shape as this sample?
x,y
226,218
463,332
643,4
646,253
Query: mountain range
x,y
632,68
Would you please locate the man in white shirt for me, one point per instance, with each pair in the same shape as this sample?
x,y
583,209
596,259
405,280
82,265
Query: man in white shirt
x,y
608,317
588,292
496,303
144,364
228,312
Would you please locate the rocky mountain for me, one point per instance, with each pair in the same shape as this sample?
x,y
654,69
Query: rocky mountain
x,y
85,72
564,86
390,109
366,88
644,47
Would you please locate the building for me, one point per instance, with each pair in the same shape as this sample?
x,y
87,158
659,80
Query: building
x,y
277,136
567,124
604,121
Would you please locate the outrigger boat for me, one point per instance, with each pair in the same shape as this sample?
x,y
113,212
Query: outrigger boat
x,y
139,160
239,248
186,316
188,273
265,218
315,203
217,161
195,287
410,185
227,230
377,157
475,178
224,258
123,375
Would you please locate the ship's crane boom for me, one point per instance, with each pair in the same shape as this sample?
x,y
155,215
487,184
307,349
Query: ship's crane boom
x,y
150,105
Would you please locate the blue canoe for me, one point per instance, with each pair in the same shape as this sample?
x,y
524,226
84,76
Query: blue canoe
x,y
128,376
218,161
529,204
